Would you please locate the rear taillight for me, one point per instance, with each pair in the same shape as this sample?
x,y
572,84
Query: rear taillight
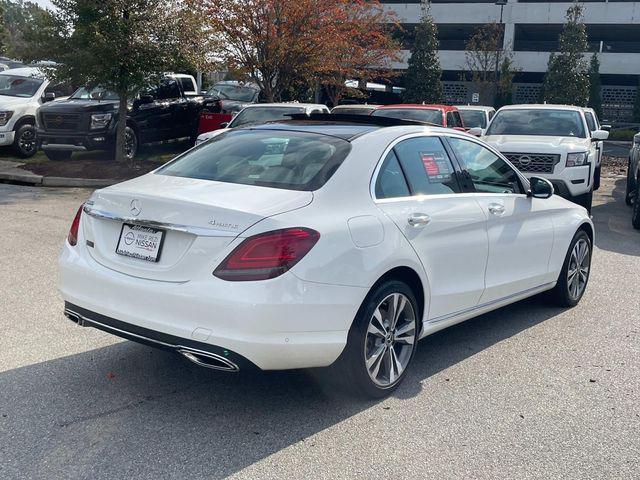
x,y
267,255
72,238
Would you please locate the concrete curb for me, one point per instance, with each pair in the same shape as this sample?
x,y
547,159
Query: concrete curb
x,y
40,181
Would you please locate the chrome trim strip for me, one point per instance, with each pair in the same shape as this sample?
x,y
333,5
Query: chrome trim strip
x,y
199,231
449,316
82,321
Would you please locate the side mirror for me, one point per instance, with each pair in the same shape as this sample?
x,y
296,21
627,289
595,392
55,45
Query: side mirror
x,y
48,97
539,188
224,124
598,135
606,128
636,139
476,131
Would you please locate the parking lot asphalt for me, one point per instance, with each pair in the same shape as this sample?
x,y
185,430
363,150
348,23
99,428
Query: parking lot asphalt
x,y
528,391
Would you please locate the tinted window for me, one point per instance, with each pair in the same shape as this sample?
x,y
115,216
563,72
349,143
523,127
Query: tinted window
x,y
187,85
489,173
453,120
591,122
391,182
474,118
352,111
419,114
15,86
555,123
166,90
256,115
280,159
96,93
59,89
427,166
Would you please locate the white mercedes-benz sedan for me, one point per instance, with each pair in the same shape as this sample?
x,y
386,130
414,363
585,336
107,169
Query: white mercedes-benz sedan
x,y
329,240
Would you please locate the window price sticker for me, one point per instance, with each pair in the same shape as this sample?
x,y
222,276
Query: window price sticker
x,y
437,166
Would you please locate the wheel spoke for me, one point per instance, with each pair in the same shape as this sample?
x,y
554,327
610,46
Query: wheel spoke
x,y
398,309
374,362
406,333
393,372
374,330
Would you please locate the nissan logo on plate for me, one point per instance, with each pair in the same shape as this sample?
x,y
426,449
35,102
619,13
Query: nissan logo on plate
x,y
136,207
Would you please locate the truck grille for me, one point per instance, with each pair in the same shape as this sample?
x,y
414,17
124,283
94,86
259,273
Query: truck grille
x,y
68,122
534,162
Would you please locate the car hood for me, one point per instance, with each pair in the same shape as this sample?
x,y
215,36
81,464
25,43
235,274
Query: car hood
x,y
7,102
67,106
537,143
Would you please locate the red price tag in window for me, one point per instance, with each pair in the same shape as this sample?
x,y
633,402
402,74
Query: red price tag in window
x,y
430,165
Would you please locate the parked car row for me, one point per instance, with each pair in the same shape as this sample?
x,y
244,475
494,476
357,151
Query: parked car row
x,y
320,240
632,193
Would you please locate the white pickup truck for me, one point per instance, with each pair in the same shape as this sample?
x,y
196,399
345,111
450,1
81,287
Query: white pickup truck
x,y
549,141
22,92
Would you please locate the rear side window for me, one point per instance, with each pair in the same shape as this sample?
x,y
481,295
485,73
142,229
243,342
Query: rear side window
x,y
269,158
187,84
427,166
453,120
391,182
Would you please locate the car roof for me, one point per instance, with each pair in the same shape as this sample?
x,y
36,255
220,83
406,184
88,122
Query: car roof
x,y
287,104
543,106
419,106
483,108
25,72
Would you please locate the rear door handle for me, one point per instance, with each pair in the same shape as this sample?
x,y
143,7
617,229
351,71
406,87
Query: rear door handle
x,y
496,208
418,219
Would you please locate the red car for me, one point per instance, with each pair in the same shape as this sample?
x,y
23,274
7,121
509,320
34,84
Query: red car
x,y
441,115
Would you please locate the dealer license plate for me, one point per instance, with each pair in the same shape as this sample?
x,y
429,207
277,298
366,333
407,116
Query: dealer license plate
x,y
140,242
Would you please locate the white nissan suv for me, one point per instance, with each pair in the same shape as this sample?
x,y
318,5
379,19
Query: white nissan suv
x,y
549,141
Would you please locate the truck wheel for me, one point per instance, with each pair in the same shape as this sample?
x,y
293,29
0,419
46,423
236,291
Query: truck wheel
x,y
130,143
596,178
58,155
630,190
585,200
24,144
635,216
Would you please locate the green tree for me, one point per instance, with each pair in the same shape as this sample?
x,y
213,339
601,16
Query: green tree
x,y
595,85
122,45
423,77
567,77
20,17
4,34
505,82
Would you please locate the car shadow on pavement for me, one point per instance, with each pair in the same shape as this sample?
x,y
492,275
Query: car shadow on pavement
x,y
612,221
127,409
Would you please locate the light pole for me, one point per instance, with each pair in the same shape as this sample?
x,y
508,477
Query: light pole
x,y
502,3
496,77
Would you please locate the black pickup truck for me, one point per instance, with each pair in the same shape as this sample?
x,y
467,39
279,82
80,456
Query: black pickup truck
x,y
87,120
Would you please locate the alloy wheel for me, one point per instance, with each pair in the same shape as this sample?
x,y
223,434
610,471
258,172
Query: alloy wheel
x,y
27,141
390,340
578,272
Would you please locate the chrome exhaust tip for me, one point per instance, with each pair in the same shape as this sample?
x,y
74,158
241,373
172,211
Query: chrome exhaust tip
x,y
209,360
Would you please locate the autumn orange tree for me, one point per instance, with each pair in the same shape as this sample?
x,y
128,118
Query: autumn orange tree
x,y
279,43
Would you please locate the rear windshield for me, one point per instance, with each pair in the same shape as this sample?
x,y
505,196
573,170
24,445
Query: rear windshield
x,y
419,114
255,115
547,122
269,158
352,111
474,118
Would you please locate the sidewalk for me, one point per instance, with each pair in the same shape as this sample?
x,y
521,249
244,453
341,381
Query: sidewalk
x,y
10,173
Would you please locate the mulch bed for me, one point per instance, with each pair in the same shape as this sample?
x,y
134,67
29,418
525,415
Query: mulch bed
x,y
99,169
614,165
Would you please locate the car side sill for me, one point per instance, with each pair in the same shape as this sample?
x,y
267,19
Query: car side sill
x,y
444,321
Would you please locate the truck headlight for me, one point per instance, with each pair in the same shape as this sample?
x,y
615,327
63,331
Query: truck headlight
x,y
100,120
4,118
577,159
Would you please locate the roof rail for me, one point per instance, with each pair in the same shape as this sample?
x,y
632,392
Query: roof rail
x,y
359,119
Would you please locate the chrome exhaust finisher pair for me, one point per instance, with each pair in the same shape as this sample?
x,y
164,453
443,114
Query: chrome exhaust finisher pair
x,y
199,357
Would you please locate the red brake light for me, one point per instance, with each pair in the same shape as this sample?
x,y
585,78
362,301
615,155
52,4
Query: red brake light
x,y
267,255
72,238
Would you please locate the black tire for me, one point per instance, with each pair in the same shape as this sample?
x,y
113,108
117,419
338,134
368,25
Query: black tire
x,y
585,200
58,155
596,178
131,143
24,143
562,294
635,216
351,366
630,191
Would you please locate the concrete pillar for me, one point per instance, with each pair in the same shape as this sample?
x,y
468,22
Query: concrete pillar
x,y
509,36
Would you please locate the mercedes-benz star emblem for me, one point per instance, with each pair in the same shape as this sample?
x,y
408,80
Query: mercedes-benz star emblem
x,y
136,207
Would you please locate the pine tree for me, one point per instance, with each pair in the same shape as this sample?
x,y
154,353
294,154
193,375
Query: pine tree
x,y
567,78
595,96
423,78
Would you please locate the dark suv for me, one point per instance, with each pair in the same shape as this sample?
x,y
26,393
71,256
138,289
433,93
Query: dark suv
x,y
87,120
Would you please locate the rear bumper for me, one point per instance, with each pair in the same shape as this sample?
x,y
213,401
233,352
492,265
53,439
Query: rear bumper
x,y
278,324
